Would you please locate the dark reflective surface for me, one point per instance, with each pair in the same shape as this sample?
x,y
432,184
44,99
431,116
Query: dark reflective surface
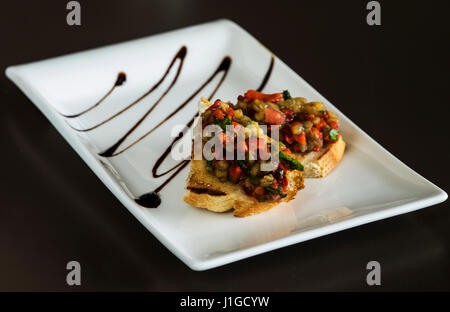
x,y
386,79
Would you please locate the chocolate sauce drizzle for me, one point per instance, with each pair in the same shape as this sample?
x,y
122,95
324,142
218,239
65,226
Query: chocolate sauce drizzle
x,y
152,199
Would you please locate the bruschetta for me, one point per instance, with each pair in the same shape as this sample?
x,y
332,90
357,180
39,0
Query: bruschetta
x,y
309,132
220,184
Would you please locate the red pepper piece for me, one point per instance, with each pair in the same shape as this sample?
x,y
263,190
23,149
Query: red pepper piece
x,y
218,114
252,95
274,117
235,172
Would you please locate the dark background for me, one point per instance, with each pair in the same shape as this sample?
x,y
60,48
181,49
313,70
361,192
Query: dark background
x,y
391,80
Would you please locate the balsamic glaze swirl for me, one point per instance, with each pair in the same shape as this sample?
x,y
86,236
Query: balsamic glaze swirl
x,y
152,199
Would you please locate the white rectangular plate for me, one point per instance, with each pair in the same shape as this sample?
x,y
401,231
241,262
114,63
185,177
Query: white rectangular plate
x,y
368,185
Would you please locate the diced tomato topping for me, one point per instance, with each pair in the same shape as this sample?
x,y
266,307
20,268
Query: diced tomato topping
x,y
288,138
334,124
235,124
230,113
289,114
285,183
295,123
252,95
218,114
317,133
287,151
300,138
296,127
310,117
216,103
235,171
259,190
274,117
321,124
316,149
274,184
276,197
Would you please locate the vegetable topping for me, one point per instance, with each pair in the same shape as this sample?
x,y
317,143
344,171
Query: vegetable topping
x,y
269,185
305,126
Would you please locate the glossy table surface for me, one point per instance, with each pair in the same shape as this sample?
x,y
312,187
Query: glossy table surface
x,y
390,80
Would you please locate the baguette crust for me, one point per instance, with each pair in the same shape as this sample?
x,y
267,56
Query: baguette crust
x,y
205,190
319,164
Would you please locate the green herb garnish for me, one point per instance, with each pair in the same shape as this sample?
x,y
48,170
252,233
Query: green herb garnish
x,y
263,199
223,123
286,95
333,134
295,163
272,190
283,195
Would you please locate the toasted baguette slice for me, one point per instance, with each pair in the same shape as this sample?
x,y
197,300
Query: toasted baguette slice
x,y
319,164
205,190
